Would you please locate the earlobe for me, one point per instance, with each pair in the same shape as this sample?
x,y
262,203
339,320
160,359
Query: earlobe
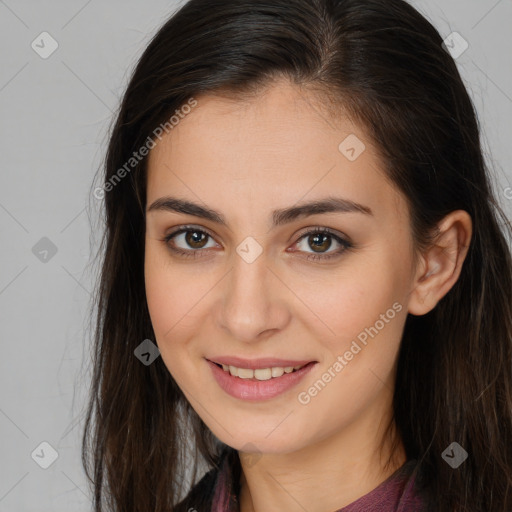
x,y
440,265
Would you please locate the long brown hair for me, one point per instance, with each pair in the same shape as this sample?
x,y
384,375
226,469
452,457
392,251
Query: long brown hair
x,y
384,64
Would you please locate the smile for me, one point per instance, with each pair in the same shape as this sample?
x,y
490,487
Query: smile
x,y
259,383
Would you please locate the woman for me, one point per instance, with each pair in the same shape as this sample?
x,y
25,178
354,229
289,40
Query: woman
x,y
299,217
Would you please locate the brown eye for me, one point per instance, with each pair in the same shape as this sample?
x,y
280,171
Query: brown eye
x,y
320,242
196,239
317,242
188,241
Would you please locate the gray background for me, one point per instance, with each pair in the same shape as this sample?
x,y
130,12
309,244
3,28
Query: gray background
x,y
55,113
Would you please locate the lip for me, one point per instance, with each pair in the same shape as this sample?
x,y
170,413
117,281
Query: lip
x,y
255,364
256,390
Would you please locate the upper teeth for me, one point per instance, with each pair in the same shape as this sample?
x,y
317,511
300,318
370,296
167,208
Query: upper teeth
x,y
260,373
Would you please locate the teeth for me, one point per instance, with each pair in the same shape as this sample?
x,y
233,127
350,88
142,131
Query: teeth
x,y
260,373
243,373
277,372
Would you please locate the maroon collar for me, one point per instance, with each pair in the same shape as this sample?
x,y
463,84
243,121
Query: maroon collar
x,y
396,494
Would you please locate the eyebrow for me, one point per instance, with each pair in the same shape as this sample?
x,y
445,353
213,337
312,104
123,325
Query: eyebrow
x,y
279,217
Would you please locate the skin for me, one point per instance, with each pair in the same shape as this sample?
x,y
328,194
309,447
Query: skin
x,y
244,159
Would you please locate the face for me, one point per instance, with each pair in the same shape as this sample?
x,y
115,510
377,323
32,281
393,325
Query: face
x,y
251,278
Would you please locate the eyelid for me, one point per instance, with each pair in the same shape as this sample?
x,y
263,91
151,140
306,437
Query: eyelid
x,y
189,227
315,228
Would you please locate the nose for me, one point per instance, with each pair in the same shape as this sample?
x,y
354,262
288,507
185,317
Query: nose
x,y
253,302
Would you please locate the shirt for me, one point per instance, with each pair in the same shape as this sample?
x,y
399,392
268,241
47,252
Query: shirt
x,y
396,494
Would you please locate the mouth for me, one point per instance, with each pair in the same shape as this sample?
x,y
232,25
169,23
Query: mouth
x,y
261,383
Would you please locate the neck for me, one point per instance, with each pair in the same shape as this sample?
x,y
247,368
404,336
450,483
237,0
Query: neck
x,y
347,464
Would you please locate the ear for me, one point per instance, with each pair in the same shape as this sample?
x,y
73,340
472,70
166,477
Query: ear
x,y
439,266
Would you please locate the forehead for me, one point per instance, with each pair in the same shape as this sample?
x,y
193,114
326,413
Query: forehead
x,y
272,149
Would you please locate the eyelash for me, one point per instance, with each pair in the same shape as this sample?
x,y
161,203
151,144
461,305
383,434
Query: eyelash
x,y
192,253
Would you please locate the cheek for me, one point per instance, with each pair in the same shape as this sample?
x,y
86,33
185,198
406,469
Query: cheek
x,y
350,300
160,290
366,312
171,297
173,291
